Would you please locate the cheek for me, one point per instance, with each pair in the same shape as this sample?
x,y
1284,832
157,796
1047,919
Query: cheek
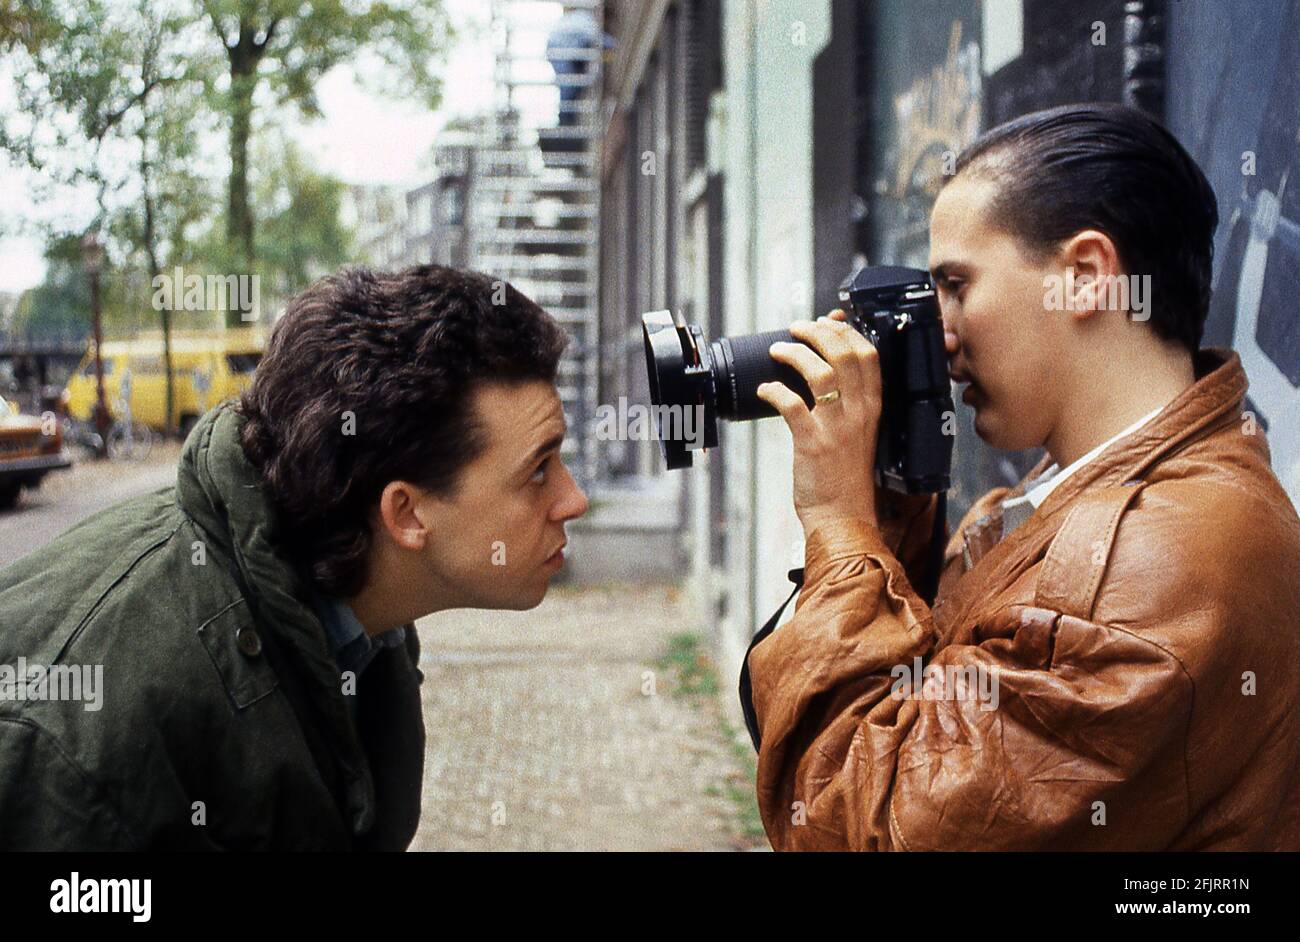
x,y
1004,329
479,528
521,517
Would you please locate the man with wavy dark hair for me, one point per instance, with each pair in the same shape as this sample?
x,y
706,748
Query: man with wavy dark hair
x,y
397,454
1113,658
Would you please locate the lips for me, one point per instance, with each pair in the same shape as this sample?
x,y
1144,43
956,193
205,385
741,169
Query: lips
x,y
962,378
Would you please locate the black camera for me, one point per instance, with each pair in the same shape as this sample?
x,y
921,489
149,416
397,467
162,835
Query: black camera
x,y
895,308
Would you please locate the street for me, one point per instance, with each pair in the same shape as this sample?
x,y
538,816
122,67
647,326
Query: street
x,y
67,497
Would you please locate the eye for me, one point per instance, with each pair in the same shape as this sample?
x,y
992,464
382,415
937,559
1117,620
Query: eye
x,y
539,474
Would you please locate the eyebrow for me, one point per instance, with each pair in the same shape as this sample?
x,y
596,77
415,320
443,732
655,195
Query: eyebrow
x,y
948,269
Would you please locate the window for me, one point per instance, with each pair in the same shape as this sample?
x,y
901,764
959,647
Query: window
x,y
243,362
146,366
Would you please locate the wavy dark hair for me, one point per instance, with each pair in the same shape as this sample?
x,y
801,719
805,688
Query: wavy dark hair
x,y
1115,169
401,352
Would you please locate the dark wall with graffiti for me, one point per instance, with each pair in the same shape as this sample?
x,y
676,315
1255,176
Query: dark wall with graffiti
x,y
934,73
1234,101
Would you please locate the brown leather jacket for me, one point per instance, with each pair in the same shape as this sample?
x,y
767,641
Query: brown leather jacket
x,y
1121,672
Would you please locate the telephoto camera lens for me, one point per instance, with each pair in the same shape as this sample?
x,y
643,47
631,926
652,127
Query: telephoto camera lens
x,y
742,364
895,308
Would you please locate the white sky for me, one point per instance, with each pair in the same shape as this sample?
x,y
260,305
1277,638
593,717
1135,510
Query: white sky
x,y
361,139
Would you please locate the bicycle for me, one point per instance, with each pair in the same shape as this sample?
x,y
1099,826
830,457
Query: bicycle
x,y
128,439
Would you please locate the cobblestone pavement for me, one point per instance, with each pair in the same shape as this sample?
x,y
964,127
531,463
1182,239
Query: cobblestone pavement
x,y
559,729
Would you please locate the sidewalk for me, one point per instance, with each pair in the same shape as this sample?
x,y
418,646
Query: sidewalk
x,y
564,728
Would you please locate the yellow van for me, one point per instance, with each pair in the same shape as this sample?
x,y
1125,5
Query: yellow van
x,y
206,367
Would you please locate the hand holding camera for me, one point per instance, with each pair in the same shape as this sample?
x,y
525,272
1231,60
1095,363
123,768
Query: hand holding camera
x,y
835,440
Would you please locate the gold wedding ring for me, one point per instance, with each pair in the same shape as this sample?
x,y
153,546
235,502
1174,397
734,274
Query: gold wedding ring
x,y
828,397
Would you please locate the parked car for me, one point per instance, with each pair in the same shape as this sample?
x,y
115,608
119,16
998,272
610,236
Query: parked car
x,y
30,448
207,368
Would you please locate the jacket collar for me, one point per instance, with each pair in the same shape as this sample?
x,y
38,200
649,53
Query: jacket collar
x,y
222,492
1214,399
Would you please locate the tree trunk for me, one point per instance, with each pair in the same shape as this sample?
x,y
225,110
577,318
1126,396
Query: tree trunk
x,y
244,57
151,252
239,221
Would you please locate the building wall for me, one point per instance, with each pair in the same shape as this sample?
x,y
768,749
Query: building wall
x,y
1238,112
377,217
769,50
826,138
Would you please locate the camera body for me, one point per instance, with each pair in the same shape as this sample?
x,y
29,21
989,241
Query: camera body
x,y
893,307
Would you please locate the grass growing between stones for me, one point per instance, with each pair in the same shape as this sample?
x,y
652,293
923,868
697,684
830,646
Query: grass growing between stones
x,y
692,675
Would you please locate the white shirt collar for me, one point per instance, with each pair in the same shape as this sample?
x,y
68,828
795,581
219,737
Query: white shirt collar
x,y
1053,477
1017,510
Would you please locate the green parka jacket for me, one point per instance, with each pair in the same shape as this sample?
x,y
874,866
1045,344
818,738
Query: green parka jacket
x,y
220,720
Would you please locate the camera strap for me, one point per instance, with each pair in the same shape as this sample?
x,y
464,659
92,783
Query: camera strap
x,y
747,688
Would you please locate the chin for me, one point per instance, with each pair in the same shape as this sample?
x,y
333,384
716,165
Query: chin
x,y
999,436
986,429
515,595
529,599
534,601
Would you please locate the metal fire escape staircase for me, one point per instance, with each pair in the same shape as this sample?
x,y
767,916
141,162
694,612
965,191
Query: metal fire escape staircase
x,y
536,194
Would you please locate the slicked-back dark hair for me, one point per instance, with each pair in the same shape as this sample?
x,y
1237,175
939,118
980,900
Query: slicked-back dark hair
x,y
402,352
1117,170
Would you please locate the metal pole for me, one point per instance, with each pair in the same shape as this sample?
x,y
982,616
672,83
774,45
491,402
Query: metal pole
x,y
101,408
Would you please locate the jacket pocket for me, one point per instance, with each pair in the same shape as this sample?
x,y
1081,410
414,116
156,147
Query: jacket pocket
x,y
235,647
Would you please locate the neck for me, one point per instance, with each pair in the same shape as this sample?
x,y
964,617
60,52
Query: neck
x,y
386,602
376,610
1111,396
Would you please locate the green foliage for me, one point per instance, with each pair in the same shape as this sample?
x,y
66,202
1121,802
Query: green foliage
x,y
301,237
23,24
61,303
694,677
692,671
289,46
739,788
120,100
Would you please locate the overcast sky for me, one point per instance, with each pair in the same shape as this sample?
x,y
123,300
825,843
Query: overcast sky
x,y
361,139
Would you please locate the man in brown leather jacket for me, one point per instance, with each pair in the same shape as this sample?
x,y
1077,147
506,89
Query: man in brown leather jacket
x,y
1113,658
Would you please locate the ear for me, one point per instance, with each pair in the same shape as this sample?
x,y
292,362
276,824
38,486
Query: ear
x,y
403,515
1095,262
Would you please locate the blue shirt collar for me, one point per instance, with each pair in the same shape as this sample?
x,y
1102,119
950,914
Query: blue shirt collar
x,y
348,642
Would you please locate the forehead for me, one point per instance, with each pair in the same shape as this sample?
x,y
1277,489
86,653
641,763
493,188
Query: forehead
x,y
959,223
518,416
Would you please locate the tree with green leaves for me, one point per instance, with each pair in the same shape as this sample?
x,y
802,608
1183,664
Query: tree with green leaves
x,y
300,236
287,47
107,96
22,24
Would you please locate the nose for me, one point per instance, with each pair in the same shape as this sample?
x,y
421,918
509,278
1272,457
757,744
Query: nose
x,y
573,503
950,342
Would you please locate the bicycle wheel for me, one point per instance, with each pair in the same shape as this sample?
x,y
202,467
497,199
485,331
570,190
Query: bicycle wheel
x,y
121,444
130,442
143,442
